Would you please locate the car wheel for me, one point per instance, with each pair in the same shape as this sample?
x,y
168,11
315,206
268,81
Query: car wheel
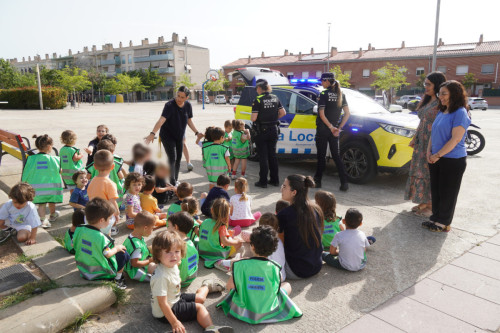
x,y
484,109
359,163
254,156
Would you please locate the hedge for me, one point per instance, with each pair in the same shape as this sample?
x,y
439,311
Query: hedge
x,y
491,93
27,98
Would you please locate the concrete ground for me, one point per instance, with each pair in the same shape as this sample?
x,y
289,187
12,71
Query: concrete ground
x,y
403,255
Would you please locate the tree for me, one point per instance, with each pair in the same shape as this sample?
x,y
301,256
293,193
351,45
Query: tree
x,y
74,79
420,81
469,80
10,77
218,85
184,80
127,84
390,78
111,86
151,80
343,78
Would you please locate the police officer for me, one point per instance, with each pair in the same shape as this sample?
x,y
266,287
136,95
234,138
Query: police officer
x,y
266,110
328,126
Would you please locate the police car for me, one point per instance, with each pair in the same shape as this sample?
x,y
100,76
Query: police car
x,y
373,139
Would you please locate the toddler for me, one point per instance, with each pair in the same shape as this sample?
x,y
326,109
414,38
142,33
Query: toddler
x,y
190,206
77,220
280,205
79,197
333,223
240,146
216,157
133,186
150,204
219,191
241,206
140,155
71,158
278,255
164,191
184,190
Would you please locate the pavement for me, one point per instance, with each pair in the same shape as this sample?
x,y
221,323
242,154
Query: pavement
x,y
408,276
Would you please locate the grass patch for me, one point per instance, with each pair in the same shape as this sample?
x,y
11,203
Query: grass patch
x,y
60,240
22,258
26,292
121,294
79,321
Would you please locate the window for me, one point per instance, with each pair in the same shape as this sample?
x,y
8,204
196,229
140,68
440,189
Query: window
x,y
462,69
442,69
305,75
366,73
318,74
487,69
420,70
284,97
289,75
161,52
123,59
129,58
180,53
349,73
304,106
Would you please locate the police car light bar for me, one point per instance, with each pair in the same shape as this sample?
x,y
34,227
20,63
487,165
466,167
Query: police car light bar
x,y
304,81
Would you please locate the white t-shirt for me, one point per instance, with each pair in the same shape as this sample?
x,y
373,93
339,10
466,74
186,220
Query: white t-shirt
x,y
164,282
351,244
139,168
17,218
241,209
279,257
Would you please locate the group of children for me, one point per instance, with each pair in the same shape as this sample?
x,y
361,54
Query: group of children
x,y
258,291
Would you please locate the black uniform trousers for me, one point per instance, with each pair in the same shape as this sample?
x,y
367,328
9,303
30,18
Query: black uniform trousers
x,y
266,142
446,178
322,141
173,149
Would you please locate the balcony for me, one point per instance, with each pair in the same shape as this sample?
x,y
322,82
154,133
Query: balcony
x,y
108,62
166,70
157,57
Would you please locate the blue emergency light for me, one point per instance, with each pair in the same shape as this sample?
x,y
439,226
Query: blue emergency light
x,y
305,81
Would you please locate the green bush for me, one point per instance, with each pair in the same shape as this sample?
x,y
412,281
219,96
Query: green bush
x,y
27,98
491,93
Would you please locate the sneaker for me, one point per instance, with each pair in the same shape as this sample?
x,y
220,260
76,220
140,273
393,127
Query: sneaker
x,y
317,183
371,239
214,285
233,176
114,231
220,266
190,166
46,224
6,233
218,329
244,176
120,283
261,185
54,216
177,183
344,187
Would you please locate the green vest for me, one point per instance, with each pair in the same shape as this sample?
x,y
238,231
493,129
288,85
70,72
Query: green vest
x,y
209,246
226,135
215,161
113,175
89,243
330,230
42,173
257,297
137,273
240,149
174,208
192,235
68,167
68,242
189,264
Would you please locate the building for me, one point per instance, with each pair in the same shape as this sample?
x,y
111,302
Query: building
x,y
169,59
455,60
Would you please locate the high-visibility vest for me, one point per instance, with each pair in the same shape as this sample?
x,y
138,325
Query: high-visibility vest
x,y
257,297
226,135
68,242
192,235
215,161
240,149
330,230
68,166
189,264
89,243
209,246
137,273
174,208
42,173
113,175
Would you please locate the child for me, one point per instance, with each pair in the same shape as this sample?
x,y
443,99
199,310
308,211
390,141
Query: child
x,y
141,265
150,204
163,192
184,190
77,220
216,157
168,304
101,131
349,245
241,147
228,128
42,173
103,187
257,294
140,155
19,215
216,242
96,255
280,205
241,206
79,197
219,191
278,255
190,205
133,186
182,223
71,158
333,223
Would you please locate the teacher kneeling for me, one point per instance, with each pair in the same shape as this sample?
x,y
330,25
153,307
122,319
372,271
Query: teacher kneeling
x,y
176,115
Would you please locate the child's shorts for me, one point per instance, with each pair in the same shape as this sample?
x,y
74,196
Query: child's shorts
x,y
184,309
20,227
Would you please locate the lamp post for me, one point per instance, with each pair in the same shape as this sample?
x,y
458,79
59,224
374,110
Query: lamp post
x,y
436,36
328,50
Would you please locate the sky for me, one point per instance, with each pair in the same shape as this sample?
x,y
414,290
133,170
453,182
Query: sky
x,y
237,29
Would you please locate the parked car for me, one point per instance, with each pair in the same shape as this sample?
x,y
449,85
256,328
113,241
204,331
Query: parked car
x,y
477,103
220,99
403,100
234,99
392,108
379,99
207,100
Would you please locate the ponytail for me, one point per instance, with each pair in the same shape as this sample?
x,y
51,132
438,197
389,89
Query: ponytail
x,y
241,185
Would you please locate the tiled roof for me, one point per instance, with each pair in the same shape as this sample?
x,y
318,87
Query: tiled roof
x,y
375,54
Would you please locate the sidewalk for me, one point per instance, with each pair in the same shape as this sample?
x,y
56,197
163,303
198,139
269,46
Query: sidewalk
x,y
462,296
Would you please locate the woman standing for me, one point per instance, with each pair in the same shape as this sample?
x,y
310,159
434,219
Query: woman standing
x,y
446,154
176,115
418,186
300,229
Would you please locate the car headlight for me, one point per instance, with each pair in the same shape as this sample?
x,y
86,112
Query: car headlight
x,y
398,130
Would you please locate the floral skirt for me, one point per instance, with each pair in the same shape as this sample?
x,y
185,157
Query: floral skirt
x,y
418,190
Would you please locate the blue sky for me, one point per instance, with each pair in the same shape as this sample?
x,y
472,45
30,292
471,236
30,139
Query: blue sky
x,y
234,29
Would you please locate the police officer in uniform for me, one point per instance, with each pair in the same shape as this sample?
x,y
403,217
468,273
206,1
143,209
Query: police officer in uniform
x,y
266,110
328,126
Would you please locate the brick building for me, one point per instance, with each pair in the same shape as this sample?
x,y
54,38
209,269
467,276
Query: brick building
x,y
455,60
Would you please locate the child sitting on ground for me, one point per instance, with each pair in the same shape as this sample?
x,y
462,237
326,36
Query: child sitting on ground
x,y
140,155
19,215
333,223
216,241
71,158
280,205
190,205
141,265
219,191
184,190
240,146
241,206
256,292
96,256
216,157
42,173
182,223
349,245
168,304
150,204
77,219
79,197
132,201
278,255
164,191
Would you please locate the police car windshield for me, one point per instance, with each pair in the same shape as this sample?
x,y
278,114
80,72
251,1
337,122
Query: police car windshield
x,y
362,104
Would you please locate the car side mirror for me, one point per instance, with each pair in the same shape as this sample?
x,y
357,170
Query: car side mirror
x,y
315,110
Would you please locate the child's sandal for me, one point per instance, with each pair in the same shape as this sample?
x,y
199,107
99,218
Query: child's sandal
x,y
437,228
213,285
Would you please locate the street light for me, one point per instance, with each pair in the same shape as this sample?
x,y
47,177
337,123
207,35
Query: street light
x,y
436,36
328,50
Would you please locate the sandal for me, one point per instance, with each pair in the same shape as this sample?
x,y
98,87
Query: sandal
x,y
436,228
427,224
415,209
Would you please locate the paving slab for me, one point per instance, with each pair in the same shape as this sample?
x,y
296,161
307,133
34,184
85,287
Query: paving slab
x,y
494,240
4,197
479,264
44,243
487,250
372,324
